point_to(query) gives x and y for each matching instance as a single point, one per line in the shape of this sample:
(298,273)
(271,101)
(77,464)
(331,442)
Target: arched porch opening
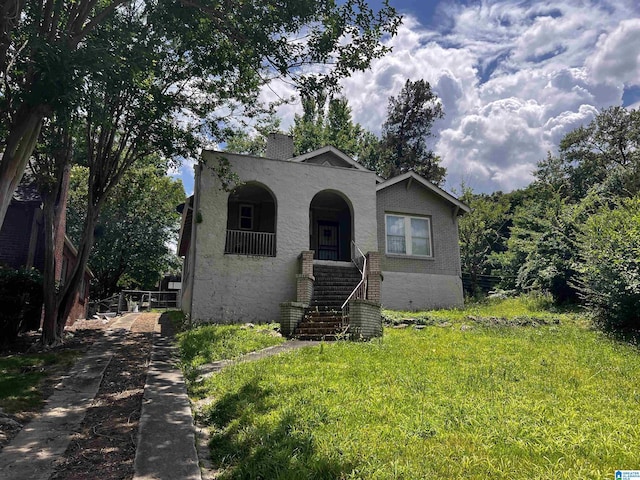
(251,221)
(330,226)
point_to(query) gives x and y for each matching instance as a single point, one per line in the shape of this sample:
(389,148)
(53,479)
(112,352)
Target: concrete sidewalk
(166,446)
(33,452)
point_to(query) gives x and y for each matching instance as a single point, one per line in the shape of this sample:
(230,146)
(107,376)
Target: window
(408,235)
(246,217)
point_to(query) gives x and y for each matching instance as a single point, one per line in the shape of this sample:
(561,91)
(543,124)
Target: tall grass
(557,401)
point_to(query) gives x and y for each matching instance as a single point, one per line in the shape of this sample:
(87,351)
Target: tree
(222,53)
(403,145)
(135,228)
(605,155)
(308,129)
(482,233)
(42,63)
(151,81)
(326,123)
(609,265)
(50,167)
(340,131)
(241,141)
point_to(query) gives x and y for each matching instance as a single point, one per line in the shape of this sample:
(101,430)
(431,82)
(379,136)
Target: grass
(534,306)
(21,377)
(209,343)
(555,401)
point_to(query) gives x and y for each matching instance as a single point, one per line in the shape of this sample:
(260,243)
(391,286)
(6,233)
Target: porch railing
(242,242)
(359,259)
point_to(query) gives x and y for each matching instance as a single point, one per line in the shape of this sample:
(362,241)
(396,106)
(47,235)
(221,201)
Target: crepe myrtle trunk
(50,335)
(54,205)
(54,325)
(20,142)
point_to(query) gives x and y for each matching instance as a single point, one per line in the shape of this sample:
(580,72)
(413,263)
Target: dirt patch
(106,442)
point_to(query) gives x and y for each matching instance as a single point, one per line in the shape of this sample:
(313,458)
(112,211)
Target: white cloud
(513,77)
(617,58)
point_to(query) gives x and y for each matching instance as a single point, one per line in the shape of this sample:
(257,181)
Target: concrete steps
(323,319)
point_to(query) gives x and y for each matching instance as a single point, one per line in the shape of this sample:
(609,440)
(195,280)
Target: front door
(328,243)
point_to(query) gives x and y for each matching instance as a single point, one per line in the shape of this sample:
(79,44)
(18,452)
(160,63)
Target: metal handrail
(361,289)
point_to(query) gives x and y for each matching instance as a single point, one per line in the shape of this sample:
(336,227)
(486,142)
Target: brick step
(335,306)
(337,273)
(318,331)
(323,313)
(320,324)
(330,298)
(326,315)
(334,288)
(334,268)
(341,285)
(320,337)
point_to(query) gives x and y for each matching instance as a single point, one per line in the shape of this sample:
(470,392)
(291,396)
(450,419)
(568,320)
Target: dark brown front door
(328,240)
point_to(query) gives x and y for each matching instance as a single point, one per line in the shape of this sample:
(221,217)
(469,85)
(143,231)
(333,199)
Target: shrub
(609,266)
(20,300)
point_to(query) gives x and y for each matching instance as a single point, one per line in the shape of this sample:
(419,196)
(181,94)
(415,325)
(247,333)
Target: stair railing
(360,292)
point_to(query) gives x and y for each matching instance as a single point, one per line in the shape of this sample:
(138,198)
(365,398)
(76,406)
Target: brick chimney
(279,146)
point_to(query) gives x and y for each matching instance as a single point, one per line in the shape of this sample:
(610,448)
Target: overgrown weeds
(497,400)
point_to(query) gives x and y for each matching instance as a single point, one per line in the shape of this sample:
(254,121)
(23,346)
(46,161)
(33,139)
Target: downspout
(194,231)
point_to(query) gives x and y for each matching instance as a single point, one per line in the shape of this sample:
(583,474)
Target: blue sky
(513,76)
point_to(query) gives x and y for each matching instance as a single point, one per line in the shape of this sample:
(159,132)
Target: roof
(27,191)
(330,149)
(413,176)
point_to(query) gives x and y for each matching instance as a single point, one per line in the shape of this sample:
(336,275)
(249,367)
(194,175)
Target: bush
(20,301)
(609,267)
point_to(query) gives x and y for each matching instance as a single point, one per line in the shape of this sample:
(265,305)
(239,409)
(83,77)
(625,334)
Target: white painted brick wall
(235,288)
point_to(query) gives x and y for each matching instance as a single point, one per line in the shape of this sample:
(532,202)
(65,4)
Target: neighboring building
(22,240)
(286,230)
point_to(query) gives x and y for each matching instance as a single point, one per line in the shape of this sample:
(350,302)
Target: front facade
(242,249)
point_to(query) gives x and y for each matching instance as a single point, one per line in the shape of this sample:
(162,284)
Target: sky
(513,76)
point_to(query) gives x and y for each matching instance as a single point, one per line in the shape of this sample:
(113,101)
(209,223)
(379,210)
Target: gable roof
(425,183)
(333,150)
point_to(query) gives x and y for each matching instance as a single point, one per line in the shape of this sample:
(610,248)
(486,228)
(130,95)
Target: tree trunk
(50,334)
(67,295)
(21,141)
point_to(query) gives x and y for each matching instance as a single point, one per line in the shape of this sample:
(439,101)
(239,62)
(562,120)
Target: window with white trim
(408,235)
(245,222)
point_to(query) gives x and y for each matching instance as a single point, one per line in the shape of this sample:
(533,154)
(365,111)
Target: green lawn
(546,402)
(208,343)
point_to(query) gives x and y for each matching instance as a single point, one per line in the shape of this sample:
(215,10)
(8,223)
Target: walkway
(166,447)
(212,368)
(33,452)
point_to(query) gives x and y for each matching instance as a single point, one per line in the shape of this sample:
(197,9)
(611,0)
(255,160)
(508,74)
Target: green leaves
(403,146)
(135,231)
(326,123)
(609,267)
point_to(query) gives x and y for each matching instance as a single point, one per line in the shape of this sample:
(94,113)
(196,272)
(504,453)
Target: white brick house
(242,249)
